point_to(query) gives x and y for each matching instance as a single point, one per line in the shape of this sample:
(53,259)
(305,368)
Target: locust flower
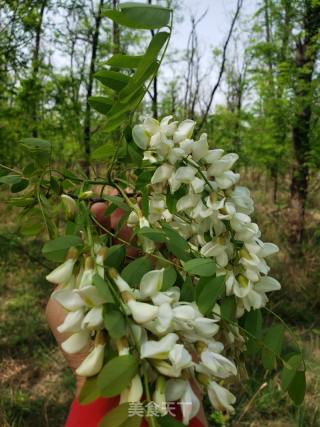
(63,273)
(140,136)
(158,349)
(72,322)
(159,395)
(93,363)
(181,390)
(93,320)
(151,283)
(216,364)
(184,130)
(76,342)
(221,398)
(132,393)
(142,312)
(162,174)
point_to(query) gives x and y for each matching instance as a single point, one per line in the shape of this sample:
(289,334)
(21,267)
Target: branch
(222,67)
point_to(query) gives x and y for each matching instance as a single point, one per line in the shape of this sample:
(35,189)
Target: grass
(36,387)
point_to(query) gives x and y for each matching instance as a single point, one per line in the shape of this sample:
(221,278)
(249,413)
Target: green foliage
(210,289)
(116,255)
(272,346)
(201,267)
(103,286)
(114,321)
(135,15)
(56,250)
(134,271)
(116,375)
(89,391)
(118,417)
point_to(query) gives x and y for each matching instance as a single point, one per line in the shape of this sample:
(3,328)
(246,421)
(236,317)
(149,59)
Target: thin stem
(148,396)
(10,169)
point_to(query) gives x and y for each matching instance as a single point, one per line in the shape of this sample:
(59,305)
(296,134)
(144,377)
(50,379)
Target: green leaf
(101,103)
(289,371)
(30,169)
(134,271)
(103,287)
(118,201)
(90,391)
(169,278)
(187,290)
(129,91)
(148,64)
(139,16)
(56,250)
(116,255)
(228,308)
(115,123)
(297,388)
(168,421)
(253,324)
(176,244)
(112,79)
(144,179)
(10,179)
(145,202)
(36,145)
(124,61)
(19,186)
(152,234)
(272,346)
(55,185)
(135,155)
(213,289)
(119,417)
(106,151)
(117,374)
(114,321)
(200,266)
(130,104)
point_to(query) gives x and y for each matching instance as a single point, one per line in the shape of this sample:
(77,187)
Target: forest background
(254,88)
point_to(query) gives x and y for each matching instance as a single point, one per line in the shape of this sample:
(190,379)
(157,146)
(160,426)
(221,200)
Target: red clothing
(90,415)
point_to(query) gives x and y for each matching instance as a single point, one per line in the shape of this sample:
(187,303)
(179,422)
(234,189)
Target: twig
(222,66)
(253,398)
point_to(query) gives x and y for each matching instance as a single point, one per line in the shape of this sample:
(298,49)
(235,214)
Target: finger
(98,210)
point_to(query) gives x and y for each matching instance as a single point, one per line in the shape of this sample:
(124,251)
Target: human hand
(56,314)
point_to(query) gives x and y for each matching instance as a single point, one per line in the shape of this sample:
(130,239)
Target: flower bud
(159,395)
(86,195)
(119,281)
(140,136)
(70,205)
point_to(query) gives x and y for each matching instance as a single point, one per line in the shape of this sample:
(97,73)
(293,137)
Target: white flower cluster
(84,305)
(176,341)
(172,335)
(212,213)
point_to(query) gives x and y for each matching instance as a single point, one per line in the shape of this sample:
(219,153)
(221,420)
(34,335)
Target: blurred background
(248,72)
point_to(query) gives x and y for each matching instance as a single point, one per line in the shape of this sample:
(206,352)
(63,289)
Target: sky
(214,26)
(212,32)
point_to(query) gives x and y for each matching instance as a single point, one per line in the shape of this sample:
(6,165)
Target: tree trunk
(305,58)
(35,71)
(87,116)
